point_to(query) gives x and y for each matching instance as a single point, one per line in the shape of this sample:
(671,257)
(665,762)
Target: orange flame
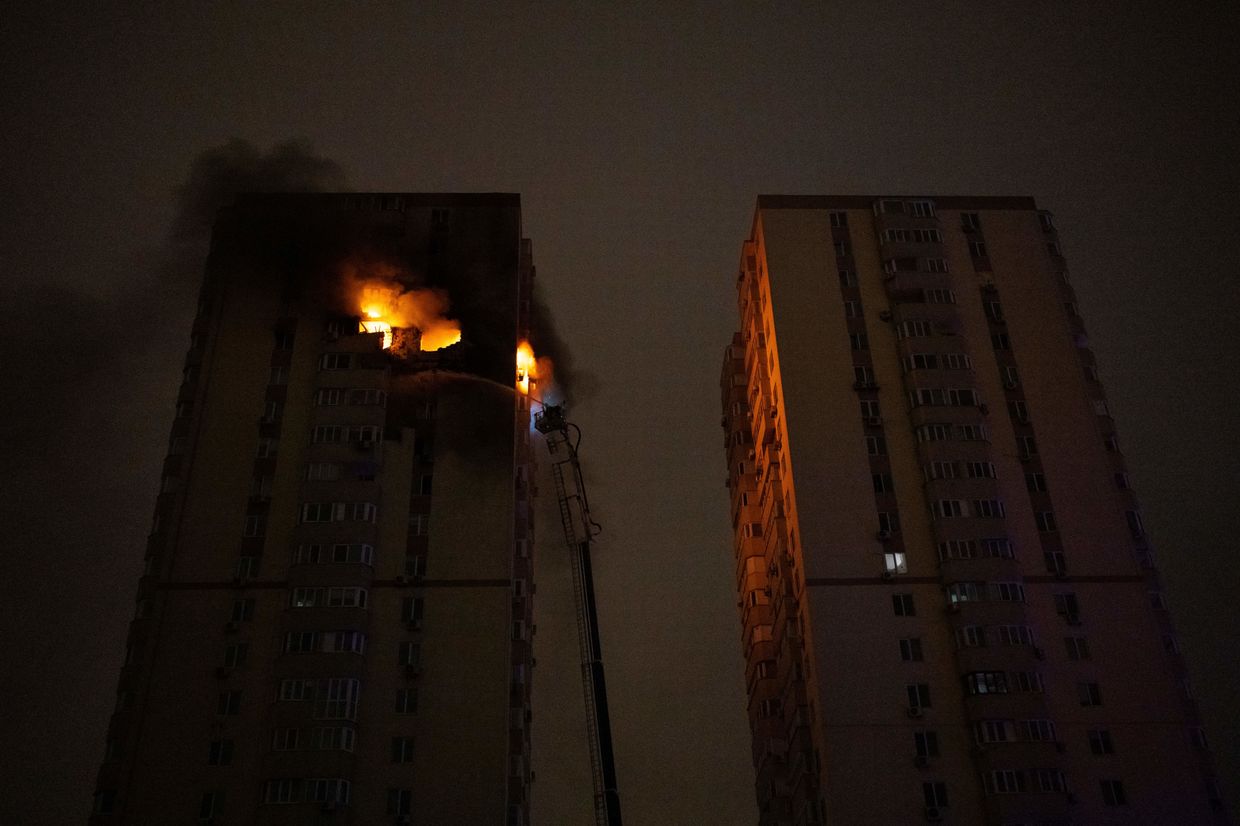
(527,367)
(385,304)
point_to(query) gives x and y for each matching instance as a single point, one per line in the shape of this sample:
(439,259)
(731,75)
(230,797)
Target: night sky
(638,138)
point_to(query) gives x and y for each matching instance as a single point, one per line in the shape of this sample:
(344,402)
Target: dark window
(902,604)
(1100,742)
(220,753)
(926,743)
(910,649)
(230,703)
(1113,793)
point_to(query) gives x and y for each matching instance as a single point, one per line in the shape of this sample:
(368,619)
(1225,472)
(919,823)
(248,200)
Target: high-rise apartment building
(950,606)
(333,622)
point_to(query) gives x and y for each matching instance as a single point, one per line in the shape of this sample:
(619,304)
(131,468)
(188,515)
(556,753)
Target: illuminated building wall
(334,621)
(949,603)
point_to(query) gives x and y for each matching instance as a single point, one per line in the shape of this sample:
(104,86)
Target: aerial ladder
(563,439)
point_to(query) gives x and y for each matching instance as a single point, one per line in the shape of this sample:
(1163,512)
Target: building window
(1038,731)
(1035,482)
(1100,742)
(977,249)
(1049,781)
(399,802)
(991,731)
(235,654)
(910,650)
(949,508)
(209,806)
(939,296)
(847,278)
(278,375)
(895,563)
(322,472)
(940,470)
(1000,341)
(220,753)
(407,701)
(858,341)
(1089,694)
(1045,521)
(335,361)
(876,445)
(410,654)
(988,508)
(985,682)
(105,802)
(1077,647)
(852,309)
(1009,592)
(980,470)
(229,703)
(926,743)
(296,690)
(914,329)
(1067,606)
(994,310)
(971,636)
(888,522)
(957,361)
(970,221)
(402,749)
(839,220)
(935,793)
(1004,781)
(972,433)
(282,790)
(842,248)
(1113,793)
(902,604)
(918,695)
(936,265)
(883,483)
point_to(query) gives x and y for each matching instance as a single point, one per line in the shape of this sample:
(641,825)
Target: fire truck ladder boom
(579,531)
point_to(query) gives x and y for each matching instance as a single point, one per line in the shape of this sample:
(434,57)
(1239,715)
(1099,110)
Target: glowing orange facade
(334,625)
(949,603)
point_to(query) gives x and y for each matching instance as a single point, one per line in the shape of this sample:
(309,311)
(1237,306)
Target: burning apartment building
(333,622)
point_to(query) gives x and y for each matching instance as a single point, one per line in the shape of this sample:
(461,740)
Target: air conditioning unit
(934,814)
(1026,457)
(914,711)
(1010,385)
(884,315)
(888,574)
(920,761)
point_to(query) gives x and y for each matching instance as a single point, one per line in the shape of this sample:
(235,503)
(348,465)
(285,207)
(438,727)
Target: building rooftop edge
(775,201)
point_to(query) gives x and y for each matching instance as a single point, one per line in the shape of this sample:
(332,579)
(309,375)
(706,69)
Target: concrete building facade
(949,603)
(333,624)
